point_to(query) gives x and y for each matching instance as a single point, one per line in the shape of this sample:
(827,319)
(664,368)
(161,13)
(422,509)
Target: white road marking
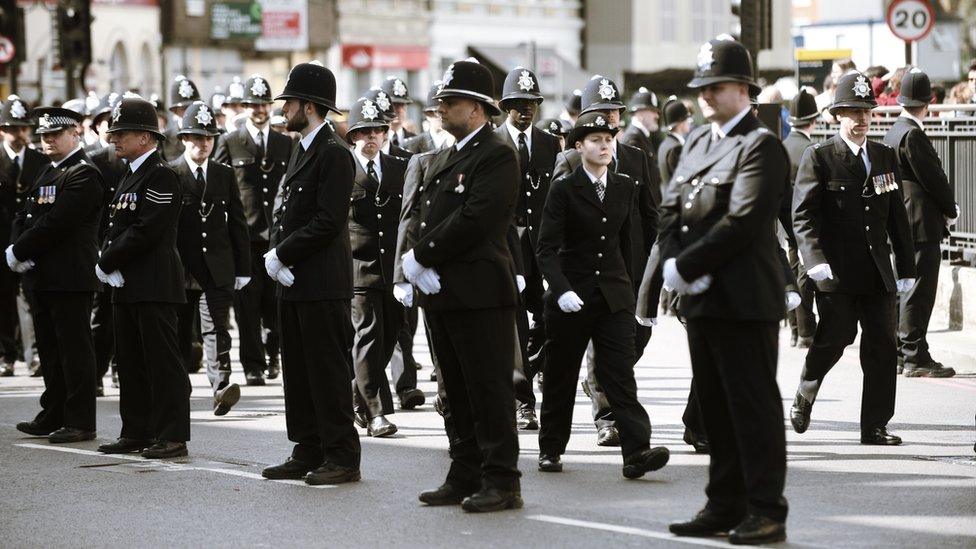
(169,465)
(627,530)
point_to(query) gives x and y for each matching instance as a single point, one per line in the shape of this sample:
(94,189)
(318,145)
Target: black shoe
(488,500)
(638,464)
(412,398)
(445,494)
(125,446)
(34,429)
(115,379)
(380,427)
(931,369)
(35,366)
(165,449)
(550,464)
(70,434)
(800,413)
(698,442)
(7,370)
(99,390)
(433,375)
(274,367)
(804,342)
(330,473)
(704,524)
(254,379)
(879,436)
(901,365)
(291,469)
(196,358)
(360,419)
(226,398)
(756,530)
(439,405)
(793,339)
(607,436)
(525,419)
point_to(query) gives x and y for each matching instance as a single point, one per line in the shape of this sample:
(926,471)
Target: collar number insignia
(525,81)
(186,90)
(606,90)
(861,87)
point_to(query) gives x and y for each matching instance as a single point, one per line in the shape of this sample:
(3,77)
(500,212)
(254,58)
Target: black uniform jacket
(667,158)
(585,243)
(141,237)
(214,247)
(413,183)
(14,186)
(929,196)
(172,148)
(60,232)
(310,232)
(257,179)
(841,221)
(633,136)
(535,179)
(374,217)
(718,218)
(463,213)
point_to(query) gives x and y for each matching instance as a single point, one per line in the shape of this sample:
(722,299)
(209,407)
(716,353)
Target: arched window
(118,67)
(147,63)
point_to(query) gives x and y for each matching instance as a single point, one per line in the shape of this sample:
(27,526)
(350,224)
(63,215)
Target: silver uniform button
(530,227)
(382,251)
(423,224)
(265,189)
(379,216)
(299,189)
(204,235)
(264,175)
(602,237)
(428,202)
(684,228)
(528,211)
(110,223)
(687,205)
(604,220)
(867,227)
(30,216)
(265,202)
(597,273)
(381,233)
(843,188)
(204,248)
(714,180)
(867,208)
(600,254)
(430,245)
(680,178)
(528,193)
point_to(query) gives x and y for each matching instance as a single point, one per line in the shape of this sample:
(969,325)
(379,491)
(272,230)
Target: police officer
(803,115)
(929,199)
(677,120)
(140,261)
(847,204)
(644,131)
(556,127)
(182,93)
(233,106)
(310,256)
(585,253)
(55,247)
(399,95)
(717,235)
(434,137)
(601,95)
(259,157)
(382,100)
(214,247)
(19,167)
(572,107)
(465,272)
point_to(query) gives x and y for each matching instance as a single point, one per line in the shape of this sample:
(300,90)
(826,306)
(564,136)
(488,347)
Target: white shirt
(15,156)
(363,161)
(514,132)
(718,132)
(134,165)
(460,144)
(193,166)
(307,140)
(855,148)
(637,124)
(594,179)
(254,131)
(907,115)
(67,156)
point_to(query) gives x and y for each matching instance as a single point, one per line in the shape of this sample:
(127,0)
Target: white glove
(115,279)
(520,283)
(411,267)
(101,274)
(285,276)
(429,281)
(12,260)
(792,300)
(271,263)
(569,302)
(241,281)
(24,266)
(699,286)
(403,292)
(646,322)
(674,282)
(820,272)
(904,284)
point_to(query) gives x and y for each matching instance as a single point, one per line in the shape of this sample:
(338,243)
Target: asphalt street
(841,494)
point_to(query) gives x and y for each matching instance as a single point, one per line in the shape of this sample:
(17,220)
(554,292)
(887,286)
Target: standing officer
(643,131)
(717,235)
(140,261)
(585,253)
(556,127)
(311,258)
(19,167)
(847,204)
(55,246)
(536,152)
(572,107)
(601,95)
(386,107)
(182,93)
(434,137)
(462,264)
(929,199)
(399,95)
(213,244)
(678,121)
(259,157)
(803,115)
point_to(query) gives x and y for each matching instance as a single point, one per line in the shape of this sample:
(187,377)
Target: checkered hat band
(60,121)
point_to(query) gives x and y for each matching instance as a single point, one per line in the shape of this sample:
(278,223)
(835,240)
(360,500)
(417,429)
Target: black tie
(371,172)
(396,140)
(260,143)
(301,153)
(613,164)
(15,172)
(200,180)
(523,150)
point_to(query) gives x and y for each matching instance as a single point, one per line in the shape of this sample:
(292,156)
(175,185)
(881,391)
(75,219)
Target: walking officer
(140,261)
(929,199)
(311,258)
(259,157)
(182,93)
(54,245)
(719,251)
(847,204)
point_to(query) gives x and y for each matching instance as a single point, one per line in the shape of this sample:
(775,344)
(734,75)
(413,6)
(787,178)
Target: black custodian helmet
(182,92)
(675,111)
(382,100)
(853,91)
(916,89)
(803,107)
(14,112)
(396,89)
(601,94)
(520,83)
(554,126)
(723,59)
(133,113)
(311,82)
(257,91)
(365,113)
(642,99)
(471,80)
(199,119)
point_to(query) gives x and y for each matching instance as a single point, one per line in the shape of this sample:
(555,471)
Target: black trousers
(734,364)
(599,404)
(102,333)
(402,359)
(916,305)
(523,374)
(9,283)
(692,417)
(255,307)
(188,325)
(315,340)
(476,366)
(840,315)
(64,342)
(535,305)
(377,318)
(803,322)
(612,334)
(154,388)
(214,307)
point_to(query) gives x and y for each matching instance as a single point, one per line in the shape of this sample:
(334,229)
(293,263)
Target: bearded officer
(847,204)
(55,247)
(182,93)
(718,249)
(399,96)
(932,209)
(462,264)
(140,261)
(259,157)
(311,258)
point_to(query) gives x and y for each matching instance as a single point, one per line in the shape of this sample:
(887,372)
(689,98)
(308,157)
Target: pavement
(841,494)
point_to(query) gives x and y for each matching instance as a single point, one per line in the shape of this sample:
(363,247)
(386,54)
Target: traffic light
(12,27)
(754,27)
(74,32)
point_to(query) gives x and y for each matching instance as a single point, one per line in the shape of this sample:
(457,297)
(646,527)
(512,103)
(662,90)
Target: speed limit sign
(910,20)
